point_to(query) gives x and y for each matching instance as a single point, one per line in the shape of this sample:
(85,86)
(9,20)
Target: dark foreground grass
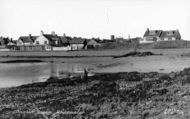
(117,96)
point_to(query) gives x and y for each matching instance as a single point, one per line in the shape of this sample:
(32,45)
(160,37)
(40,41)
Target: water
(15,74)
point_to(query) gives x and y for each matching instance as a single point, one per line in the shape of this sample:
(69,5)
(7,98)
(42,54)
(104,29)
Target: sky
(93,18)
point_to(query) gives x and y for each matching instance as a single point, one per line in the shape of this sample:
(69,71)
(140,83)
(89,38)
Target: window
(45,42)
(37,42)
(56,42)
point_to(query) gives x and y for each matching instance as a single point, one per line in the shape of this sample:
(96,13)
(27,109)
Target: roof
(152,33)
(51,37)
(171,33)
(93,42)
(77,41)
(27,39)
(65,39)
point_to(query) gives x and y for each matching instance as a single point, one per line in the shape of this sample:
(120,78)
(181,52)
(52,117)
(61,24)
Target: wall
(77,46)
(62,48)
(41,39)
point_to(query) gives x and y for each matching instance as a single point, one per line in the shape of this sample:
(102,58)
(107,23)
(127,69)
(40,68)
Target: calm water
(14,74)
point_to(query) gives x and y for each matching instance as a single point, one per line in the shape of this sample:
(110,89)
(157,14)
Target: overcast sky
(93,18)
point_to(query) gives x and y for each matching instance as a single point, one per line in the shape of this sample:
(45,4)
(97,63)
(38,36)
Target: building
(77,43)
(65,40)
(4,41)
(64,44)
(25,43)
(92,44)
(47,40)
(170,35)
(151,36)
(3,44)
(26,40)
(112,37)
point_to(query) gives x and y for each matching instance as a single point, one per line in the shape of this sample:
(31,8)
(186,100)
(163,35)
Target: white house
(45,40)
(52,42)
(151,36)
(170,35)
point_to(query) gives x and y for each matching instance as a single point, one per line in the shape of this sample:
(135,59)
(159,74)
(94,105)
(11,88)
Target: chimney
(41,32)
(64,35)
(30,35)
(147,29)
(53,33)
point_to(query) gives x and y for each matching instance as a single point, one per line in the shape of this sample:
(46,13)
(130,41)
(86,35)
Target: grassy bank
(117,95)
(86,53)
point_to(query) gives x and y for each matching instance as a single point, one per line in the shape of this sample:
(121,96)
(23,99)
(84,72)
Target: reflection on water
(66,70)
(14,74)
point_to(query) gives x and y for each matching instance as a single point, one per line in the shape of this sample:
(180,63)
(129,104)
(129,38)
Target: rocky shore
(123,95)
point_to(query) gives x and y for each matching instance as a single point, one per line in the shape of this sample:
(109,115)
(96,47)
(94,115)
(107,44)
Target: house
(92,44)
(25,43)
(170,35)
(33,43)
(65,40)
(26,40)
(12,45)
(151,36)
(4,41)
(63,44)
(160,35)
(47,40)
(77,43)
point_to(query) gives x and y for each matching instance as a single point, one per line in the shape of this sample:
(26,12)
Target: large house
(47,40)
(160,35)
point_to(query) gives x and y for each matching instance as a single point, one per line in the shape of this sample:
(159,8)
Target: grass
(130,95)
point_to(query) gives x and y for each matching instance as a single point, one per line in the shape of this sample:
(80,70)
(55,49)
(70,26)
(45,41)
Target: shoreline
(89,53)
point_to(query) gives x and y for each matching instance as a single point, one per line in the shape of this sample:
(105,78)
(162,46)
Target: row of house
(160,35)
(52,42)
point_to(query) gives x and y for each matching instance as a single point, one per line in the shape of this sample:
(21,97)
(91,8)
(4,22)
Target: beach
(132,87)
